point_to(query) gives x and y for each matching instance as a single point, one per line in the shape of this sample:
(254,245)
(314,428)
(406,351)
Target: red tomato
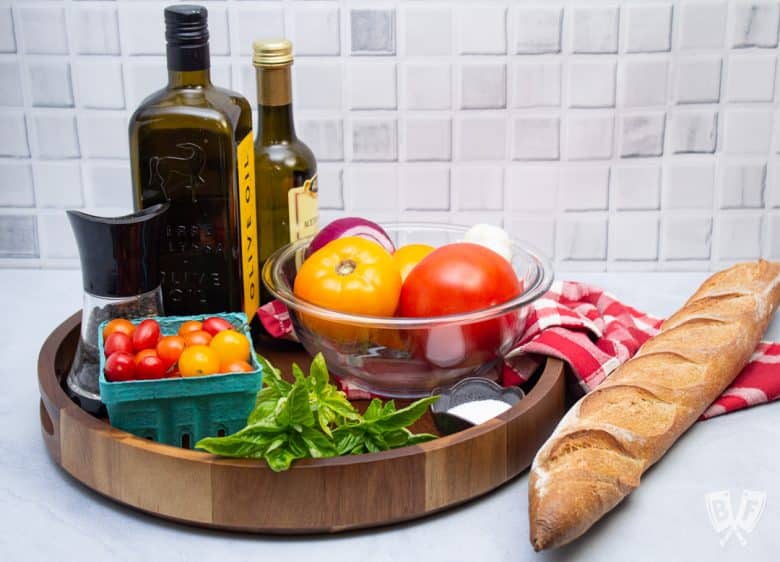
(120,367)
(458,278)
(150,367)
(146,335)
(215,324)
(117,341)
(141,355)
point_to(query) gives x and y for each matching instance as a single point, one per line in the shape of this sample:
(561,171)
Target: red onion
(351,226)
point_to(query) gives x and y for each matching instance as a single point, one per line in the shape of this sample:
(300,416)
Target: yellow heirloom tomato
(351,275)
(407,257)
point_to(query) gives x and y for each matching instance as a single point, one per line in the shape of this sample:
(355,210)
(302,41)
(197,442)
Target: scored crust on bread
(602,446)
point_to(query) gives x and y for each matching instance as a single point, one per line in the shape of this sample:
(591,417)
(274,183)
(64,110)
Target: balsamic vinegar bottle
(191,145)
(285,168)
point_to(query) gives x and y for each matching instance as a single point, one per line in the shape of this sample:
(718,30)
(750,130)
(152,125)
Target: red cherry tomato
(144,353)
(215,324)
(169,349)
(459,278)
(117,341)
(120,367)
(146,335)
(150,367)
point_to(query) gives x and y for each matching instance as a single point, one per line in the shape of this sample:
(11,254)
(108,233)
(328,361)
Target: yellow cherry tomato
(351,275)
(230,345)
(406,257)
(198,360)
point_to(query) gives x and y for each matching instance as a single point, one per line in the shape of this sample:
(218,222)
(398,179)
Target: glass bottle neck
(274,99)
(189,78)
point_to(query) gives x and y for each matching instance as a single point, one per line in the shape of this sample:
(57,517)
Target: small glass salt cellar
(121,278)
(471,401)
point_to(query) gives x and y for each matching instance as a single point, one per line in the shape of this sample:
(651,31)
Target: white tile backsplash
(748,131)
(589,136)
(636,187)
(532,188)
(58,184)
(595,29)
(754,24)
(612,134)
(50,83)
(478,188)
(592,83)
(535,84)
(427,30)
(585,188)
(13,140)
(644,82)
(316,29)
(425,188)
(688,186)
(427,138)
(702,25)
(536,138)
(16,184)
(95,30)
(751,78)
(648,28)
(483,86)
(10,84)
(697,79)
(482,29)
(694,131)
(43,29)
(537,29)
(7,31)
(371,85)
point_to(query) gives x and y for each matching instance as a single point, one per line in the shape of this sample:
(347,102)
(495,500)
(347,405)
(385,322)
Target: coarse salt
(479,411)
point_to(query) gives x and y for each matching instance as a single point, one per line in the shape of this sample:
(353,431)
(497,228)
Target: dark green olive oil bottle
(285,168)
(191,145)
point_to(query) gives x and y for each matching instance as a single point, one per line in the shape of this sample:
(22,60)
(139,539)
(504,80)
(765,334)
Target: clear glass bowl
(409,357)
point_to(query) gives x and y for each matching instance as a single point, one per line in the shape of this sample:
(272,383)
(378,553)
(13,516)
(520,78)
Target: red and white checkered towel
(595,333)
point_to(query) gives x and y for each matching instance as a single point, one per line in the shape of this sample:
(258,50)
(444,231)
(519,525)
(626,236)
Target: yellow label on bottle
(247,213)
(304,209)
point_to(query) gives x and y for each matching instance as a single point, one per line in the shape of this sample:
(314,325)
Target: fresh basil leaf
(296,409)
(388,408)
(416,438)
(280,459)
(298,373)
(318,444)
(406,416)
(297,445)
(337,403)
(319,373)
(373,411)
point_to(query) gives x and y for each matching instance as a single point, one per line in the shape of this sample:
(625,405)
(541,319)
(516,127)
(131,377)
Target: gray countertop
(46,515)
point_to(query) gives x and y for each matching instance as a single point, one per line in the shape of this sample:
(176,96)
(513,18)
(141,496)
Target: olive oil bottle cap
(272,52)
(186,25)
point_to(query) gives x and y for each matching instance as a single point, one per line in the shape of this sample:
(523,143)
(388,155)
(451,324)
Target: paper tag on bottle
(304,209)
(250,268)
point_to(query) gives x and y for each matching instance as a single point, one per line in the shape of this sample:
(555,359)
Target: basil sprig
(311,418)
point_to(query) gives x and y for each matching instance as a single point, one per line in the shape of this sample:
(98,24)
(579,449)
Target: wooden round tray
(314,496)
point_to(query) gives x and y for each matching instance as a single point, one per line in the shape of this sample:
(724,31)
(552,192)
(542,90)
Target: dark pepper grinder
(121,276)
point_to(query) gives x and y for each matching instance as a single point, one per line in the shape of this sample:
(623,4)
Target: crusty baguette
(607,440)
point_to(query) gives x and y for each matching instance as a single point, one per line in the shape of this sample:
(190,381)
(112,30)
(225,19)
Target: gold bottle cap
(272,52)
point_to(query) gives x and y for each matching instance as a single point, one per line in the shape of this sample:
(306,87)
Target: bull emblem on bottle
(185,171)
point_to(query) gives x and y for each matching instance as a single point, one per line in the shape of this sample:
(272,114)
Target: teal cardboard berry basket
(181,411)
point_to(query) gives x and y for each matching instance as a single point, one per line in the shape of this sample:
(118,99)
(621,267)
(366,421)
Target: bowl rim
(272,279)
